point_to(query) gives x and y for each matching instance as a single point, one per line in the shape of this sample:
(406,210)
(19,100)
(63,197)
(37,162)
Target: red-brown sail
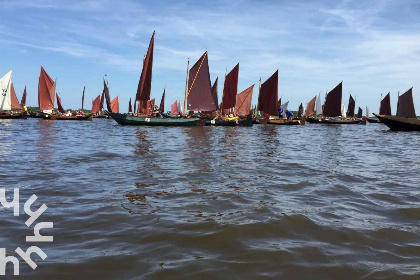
(14,100)
(385,108)
(230,88)
(405,107)
(83,97)
(199,94)
(174,108)
(96,103)
(115,105)
(352,106)
(130,108)
(162,103)
(101,105)
(310,108)
(60,107)
(46,91)
(332,106)
(269,95)
(150,106)
(108,98)
(243,102)
(214,93)
(145,83)
(23,100)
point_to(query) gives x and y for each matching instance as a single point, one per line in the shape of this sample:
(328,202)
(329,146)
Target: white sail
(343,111)
(284,106)
(5,97)
(367,112)
(318,110)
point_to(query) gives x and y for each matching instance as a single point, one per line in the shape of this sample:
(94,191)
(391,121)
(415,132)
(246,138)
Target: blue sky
(372,46)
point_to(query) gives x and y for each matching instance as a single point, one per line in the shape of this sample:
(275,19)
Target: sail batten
(405,107)
(268,97)
(332,107)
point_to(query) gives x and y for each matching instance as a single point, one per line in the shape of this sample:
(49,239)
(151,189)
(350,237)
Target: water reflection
(46,139)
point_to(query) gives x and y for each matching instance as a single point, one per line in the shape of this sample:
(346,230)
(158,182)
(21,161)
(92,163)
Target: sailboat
(8,99)
(143,115)
(406,119)
(63,116)
(384,109)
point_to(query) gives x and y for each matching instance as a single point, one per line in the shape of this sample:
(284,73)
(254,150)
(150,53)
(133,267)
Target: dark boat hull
(100,116)
(22,116)
(399,123)
(133,120)
(373,120)
(223,122)
(284,122)
(333,121)
(68,118)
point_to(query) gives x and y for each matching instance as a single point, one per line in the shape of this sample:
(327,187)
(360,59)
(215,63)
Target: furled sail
(318,105)
(46,91)
(360,113)
(96,104)
(332,107)
(145,83)
(352,106)
(130,107)
(14,99)
(59,106)
(269,95)
(83,96)
(174,108)
(310,108)
(5,87)
(243,102)
(385,108)
(162,102)
(115,105)
(199,95)
(107,98)
(23,100)
(405,107)
(230,88)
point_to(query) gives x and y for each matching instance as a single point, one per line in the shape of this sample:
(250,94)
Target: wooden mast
(186,86)
(258,101)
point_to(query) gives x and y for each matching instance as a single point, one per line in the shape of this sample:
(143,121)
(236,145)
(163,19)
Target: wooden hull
(68,118)
(223,122)
(284,122)
(399,123)
(100,116)
(13,116)
(333,121)
(373,120)
(256,120)
(133,120)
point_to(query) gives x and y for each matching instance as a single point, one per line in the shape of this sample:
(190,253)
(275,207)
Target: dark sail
(332,107)
(230,88)
(23,100)
(60,107)
(352,106)
(145,83)
(310,108)
(243,102)
(360,113)
(199,95)
(46,91)
(162,103)
(115,105)
(107,98)
(96,105)
(14,100)
(300,111)
(268,98)
(83,97)
(150,106)
(405,107)
(385,108)
(214,92)
(130,108)
(135,103)
(101,105)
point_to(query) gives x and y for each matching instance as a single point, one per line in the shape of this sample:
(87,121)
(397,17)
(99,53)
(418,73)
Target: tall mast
(186,86)
(258,101)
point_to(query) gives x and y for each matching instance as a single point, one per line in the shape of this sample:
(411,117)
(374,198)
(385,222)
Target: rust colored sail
(174,108)
(162,102)
(332,106)
(268,98)
(243,102)
(405,107)
(352,106)
(46,91)
(310,108)
(115,105)
(145,82)
(130,107)
(214,93)
(60,107)
(83,97)
(230,88)
(23,100)
(101,105)
(150,106)
(14,100)
(108,98)
(199,94)
(385,108)
(96,103)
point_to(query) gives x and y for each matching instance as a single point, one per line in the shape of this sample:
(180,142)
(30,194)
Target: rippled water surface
(267,202)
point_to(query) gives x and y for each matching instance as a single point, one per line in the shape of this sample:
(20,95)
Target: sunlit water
(267,202)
